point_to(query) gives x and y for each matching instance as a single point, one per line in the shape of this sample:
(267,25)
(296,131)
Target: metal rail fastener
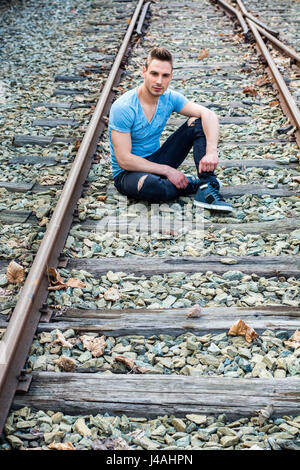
(20,331)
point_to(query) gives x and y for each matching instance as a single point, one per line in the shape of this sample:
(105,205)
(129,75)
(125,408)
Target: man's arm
(210,124)
(121,142)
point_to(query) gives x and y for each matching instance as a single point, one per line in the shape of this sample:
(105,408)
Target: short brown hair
(159,53)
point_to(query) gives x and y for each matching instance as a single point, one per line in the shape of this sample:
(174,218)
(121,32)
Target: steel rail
(235,12)
(287,50)
(19,334)
(287,101)
(142,18)
(248,15)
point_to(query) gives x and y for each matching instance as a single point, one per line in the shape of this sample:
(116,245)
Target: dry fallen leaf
(111,294)
(95,345)
(61,446)
(203,54)
(273,103)
(15,272)
(250,90)
(241,328)
(57,281)
(194,311)
(261,81)
(102,198)
(296,179)
(294,341)
(62,340)
(265,413)
(73,282)
(130,363)
(66,363)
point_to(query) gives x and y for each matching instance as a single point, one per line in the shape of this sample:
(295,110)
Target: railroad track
(125,318)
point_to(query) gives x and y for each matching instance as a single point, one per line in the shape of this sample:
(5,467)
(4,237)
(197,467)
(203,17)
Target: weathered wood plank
(55,122)
(255,163)
(113,224)
(241,189)
(262,266)
(153,395)
(33,160)
(62,105)
(67,92)
(256,190)
(42,141)
(19,187)
(14,217)
(70,78)
(173,322)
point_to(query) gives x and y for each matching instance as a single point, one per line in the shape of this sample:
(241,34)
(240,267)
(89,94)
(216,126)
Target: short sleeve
(121,118)
(178,101)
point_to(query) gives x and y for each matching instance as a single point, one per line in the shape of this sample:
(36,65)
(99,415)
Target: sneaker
(208,197)
(192,186)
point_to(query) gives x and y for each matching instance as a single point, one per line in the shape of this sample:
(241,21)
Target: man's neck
(146,97)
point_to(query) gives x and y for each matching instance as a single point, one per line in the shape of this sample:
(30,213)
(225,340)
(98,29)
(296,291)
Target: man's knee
(141,182)
(191,121)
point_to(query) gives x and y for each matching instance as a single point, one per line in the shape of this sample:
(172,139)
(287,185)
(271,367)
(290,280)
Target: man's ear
(144,70)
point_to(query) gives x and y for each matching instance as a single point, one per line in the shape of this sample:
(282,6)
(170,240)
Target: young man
(144,170)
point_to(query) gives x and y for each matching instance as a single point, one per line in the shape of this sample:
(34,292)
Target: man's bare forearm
(135,163)
(210,124)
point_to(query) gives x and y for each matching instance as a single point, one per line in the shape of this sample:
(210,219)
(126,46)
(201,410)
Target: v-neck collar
(154,115)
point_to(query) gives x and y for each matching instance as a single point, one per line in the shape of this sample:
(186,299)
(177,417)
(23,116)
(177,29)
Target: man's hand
(209,162)
(176,177)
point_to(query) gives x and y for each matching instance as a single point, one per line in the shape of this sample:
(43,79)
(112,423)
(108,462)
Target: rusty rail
(266,32)
(287,102)
(18,337)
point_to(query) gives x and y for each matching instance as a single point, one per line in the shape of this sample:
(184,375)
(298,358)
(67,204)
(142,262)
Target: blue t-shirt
(127,115)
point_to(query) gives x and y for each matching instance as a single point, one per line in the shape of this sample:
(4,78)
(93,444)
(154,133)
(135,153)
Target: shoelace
(215,191)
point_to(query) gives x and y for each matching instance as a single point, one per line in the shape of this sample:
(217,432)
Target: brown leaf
(131,364)
(61,446)
(110,444)
(203,54)
(62,340)
(296,179)
(264,414)
(43,222)
(241,328)
(250,90)
(294,341)
(15,272)
(194,311)
(102,198)
(261,81)
(273,103)
(111,294)
(73,282)
(55,277)
(66,363)
(95,345)
(77,144)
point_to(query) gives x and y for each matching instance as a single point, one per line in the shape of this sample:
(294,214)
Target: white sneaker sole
(213,207)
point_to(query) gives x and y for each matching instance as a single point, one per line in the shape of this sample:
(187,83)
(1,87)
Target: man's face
(157,77)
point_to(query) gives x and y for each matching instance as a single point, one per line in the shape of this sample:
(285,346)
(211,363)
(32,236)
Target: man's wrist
(165,170)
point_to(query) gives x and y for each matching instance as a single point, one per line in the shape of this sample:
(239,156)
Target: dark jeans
(175,149)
